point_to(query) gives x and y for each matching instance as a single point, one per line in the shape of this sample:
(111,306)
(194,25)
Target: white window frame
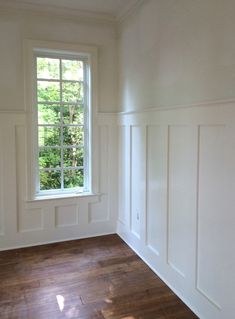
(86,126)
(33,48)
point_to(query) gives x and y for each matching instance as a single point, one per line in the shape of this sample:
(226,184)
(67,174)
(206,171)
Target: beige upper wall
(15,27)
(177,52)
(171,52)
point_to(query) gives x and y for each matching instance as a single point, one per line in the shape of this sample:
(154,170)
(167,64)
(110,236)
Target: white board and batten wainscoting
(27,222)
(166,177)
(176,200)
(176,182)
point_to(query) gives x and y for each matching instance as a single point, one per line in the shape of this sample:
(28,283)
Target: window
(63,122)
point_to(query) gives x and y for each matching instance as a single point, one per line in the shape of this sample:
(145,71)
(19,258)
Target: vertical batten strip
(146,185)
(130,178)
(1,188)
(167,193)
(197,204)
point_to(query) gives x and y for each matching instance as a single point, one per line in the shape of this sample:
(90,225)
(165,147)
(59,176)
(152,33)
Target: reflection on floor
(96,278)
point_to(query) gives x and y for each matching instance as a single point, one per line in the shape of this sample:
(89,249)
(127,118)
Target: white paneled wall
(176,184)
(26,222)
(1,187)
(176,200)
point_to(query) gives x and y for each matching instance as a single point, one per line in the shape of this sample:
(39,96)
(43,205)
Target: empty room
(117,159)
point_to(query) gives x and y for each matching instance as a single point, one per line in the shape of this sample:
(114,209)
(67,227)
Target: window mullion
(86,127)
(57,80)
(61,130)
(59,103)
(49,169)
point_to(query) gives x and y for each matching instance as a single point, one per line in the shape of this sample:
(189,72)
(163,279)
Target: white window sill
(60,196)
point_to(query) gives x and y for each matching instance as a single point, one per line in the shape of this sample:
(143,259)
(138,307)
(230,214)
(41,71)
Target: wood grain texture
(96,278)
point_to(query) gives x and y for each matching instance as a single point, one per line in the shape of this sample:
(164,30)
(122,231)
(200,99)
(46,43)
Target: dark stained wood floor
(96,278)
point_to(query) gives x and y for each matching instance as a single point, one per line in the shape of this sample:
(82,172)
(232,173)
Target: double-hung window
(62,120)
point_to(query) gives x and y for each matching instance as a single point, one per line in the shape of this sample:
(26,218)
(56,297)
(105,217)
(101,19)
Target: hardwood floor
(96,278)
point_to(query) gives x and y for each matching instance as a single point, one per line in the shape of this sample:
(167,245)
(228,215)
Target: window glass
(62,147)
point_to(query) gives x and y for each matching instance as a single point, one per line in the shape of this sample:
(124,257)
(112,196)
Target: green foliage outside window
(60,95)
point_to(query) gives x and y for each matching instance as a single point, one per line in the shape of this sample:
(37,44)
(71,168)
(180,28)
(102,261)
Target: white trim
(30,47)
(212,103)
(67,12)
(58,11)
(112,115)
(62,196)
(128,10)
(40,243)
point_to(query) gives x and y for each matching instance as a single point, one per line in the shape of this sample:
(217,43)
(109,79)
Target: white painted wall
(177,164)
(184,51)
(176,208)
(24,222)
(15,27)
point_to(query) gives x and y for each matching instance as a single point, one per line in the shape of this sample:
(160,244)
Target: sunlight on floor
(60,301)
(68,311)
(73,312)
(108,300)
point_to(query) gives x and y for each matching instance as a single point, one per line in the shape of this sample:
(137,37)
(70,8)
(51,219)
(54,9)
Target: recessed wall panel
(138,178)
(66,215)
(31,220)
(103,158)
(182,164)
(28,220)
(211,210)
(124,174)
(156,187)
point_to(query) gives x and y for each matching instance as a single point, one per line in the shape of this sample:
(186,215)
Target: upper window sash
(87,53)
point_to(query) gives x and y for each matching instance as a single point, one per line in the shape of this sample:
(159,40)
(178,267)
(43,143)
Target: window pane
(73,178)
(48,91)
(72,70)
(49,158)
(50,180)
(73,114)
(48,114)
(48,68)
(72,92)
(60,97)
(73,157)
(73,135)
(48,136)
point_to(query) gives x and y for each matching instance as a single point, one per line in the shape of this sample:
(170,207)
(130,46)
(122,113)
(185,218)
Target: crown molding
(81,15)
(128,10)
(66,12)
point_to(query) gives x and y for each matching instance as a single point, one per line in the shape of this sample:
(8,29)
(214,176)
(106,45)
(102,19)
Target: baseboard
(58,241)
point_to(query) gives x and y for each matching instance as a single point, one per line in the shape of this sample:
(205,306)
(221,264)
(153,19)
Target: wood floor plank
(95,278)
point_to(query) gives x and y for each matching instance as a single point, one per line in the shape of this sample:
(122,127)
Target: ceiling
(113,8)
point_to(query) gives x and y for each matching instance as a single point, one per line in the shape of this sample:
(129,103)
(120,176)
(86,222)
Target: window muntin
(62,123)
